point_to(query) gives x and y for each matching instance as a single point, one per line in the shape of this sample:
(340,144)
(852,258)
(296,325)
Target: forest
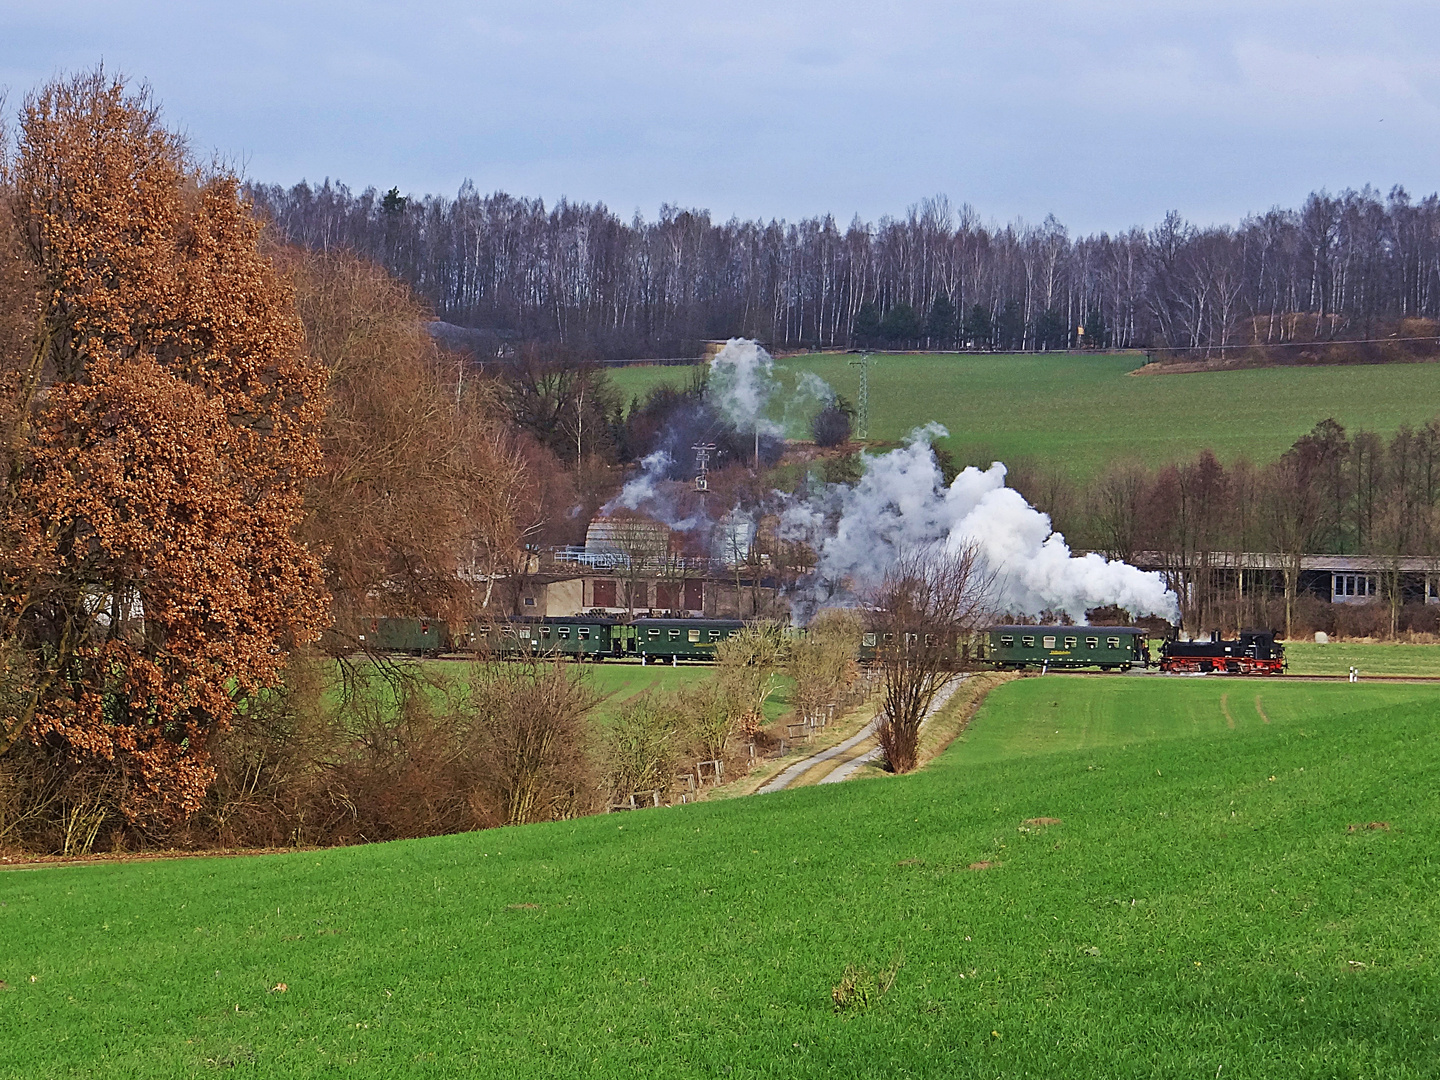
(1356,266)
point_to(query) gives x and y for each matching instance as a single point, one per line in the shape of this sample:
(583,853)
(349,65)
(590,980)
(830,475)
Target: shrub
(1362,620)
(642,746)
(831,426)
(710,716)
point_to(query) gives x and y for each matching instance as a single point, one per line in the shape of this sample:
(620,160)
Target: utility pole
(862,420)
(702,471)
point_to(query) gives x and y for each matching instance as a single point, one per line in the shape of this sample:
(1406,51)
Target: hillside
(1203,906)
(1080,413)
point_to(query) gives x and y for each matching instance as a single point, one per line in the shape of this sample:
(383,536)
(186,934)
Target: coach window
(565,632)
(1028,641)
(525,631)
(675,633)
(545,632)
(1049,643)
(1007,641)
(654,632)
(1092,642)
(714,635)
(1113,642)
(1071,642)
(583,633)
(694,637)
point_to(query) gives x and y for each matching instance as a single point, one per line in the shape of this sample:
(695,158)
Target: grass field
(615,683)
(619,683)
(1082,412)
(1307,658)
(1202,909)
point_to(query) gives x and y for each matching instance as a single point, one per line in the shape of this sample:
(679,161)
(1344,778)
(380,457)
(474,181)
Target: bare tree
(929,601)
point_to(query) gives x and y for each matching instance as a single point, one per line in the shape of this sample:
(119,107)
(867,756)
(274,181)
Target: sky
(1105,113)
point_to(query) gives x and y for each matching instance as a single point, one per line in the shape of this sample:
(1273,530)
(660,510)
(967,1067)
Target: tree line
(1358,265)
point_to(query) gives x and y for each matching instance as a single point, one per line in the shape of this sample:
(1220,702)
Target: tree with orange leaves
(160,425)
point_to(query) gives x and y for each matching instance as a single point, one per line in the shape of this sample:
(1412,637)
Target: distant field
(1083,412)
(1205,901)
(1081,713)
(1307,658)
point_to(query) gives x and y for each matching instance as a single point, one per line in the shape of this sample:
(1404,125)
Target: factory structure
(634,565)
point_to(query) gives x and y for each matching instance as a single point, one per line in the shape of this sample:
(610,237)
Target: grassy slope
(1203,907)
(1084,412)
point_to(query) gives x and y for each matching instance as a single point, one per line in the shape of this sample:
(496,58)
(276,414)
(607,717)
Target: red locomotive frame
(1221,665)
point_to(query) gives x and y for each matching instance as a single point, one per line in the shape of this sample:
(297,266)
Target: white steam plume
(742,380)
(901,503)
(811,394)
(644,485)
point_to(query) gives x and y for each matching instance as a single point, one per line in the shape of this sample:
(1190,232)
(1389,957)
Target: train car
(586,637)
(681,639)
(416,637)
(1254,652)
(869,647)
(1054,648)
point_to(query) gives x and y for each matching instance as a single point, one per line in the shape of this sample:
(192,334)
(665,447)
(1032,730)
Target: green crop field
(1210,903)
(1082,412)
(1307,658)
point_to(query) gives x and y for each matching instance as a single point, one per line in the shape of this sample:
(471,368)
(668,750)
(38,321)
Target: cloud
(1106,113)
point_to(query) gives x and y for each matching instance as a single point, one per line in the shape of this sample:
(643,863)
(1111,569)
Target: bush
(1420,618)
(831,426)
(642,746)
(1362,620)
(710,716)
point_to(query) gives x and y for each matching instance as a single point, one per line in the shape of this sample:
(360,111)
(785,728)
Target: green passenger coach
(681,639)
(1063,647)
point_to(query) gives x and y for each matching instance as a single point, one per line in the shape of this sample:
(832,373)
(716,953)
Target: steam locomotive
(1254,652)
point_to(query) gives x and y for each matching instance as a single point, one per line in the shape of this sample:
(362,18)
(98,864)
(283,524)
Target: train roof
(1066,629)
(537,620)
(656,619)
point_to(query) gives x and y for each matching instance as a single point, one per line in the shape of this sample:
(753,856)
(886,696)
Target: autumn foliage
(161,425)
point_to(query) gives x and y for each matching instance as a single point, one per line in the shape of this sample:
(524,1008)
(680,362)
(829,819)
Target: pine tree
(940,323)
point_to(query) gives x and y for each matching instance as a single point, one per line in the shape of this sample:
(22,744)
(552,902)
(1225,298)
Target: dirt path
(843,761)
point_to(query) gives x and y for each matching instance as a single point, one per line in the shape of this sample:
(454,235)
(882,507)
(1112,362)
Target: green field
(619,683)
(614,683)
(1083,412)
(1307,658)
(1203,909)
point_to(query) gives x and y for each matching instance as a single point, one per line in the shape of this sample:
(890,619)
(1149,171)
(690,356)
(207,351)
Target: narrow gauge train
(1254,652)
(590,637)
(598,637)
(1016,648)
(1053,648)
